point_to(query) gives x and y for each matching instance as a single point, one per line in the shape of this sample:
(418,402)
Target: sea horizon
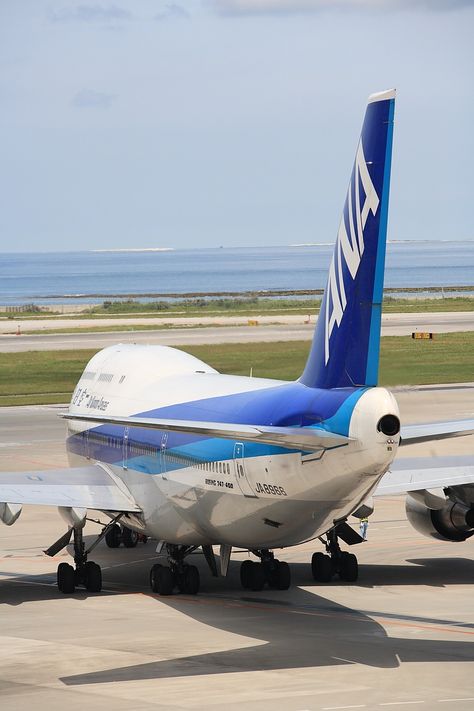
(88,276)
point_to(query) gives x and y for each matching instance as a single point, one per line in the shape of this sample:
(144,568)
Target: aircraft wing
(412,434)
(413,474)
(306,438)
(83,487)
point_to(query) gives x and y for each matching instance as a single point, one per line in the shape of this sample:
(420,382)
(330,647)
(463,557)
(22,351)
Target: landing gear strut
(84,573)
(180,575)
(325,567)
(276,573)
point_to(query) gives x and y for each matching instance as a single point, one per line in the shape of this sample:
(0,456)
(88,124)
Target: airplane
(168,448)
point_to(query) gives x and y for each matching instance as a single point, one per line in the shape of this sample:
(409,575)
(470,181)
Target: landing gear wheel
(280,576)
(191,580)
(154,577)
(245,573)
(256,577)
(321,567)
(348,567)
(165,581)
(129,538)
(92,577)
(113,537)
(66,578)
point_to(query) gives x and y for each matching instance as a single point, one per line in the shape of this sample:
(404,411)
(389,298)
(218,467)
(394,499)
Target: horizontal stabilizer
(412,434)
(82,487)
(305,438)
(415,473)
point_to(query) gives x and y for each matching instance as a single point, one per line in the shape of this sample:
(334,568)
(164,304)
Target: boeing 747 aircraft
(166,446)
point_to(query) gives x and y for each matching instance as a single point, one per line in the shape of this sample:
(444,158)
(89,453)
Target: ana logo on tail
(349,248)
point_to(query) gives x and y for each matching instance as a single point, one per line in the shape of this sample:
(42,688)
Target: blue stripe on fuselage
(288,405)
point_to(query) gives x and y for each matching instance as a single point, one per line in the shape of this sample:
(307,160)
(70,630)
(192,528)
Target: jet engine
(449,521)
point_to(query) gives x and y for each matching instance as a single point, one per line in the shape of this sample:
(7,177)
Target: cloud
(89,99)
(91,14)
(286,7)
(172,11)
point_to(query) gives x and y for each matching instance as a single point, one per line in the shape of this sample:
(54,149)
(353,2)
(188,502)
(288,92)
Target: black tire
(165,581)
(129,538)
(154,577)
(66,577)
(191,580)
(113,537)
(257,577)
(321,567)
(278,575)
(283,576)
(348,567)
(92,577)
(245,574)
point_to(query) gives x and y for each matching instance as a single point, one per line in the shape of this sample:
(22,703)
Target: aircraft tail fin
(346,343)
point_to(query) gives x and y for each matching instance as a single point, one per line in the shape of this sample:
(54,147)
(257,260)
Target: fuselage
(199,490)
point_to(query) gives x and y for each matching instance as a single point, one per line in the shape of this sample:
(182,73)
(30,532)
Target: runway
(403,636)
(288,330)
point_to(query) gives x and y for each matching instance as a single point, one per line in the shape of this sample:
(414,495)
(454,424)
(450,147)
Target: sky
(203,123)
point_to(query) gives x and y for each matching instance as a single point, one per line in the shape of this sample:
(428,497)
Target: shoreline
(407,291)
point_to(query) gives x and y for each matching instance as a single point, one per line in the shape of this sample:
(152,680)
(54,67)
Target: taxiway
(403,636)
(208,331)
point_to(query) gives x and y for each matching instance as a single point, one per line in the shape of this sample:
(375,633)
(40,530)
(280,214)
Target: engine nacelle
(74,516)
(9,513)
(453,522)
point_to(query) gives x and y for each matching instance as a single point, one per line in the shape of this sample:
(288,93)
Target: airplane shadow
(298,628)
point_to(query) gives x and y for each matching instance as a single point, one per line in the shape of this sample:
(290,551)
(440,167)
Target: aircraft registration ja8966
(167,447)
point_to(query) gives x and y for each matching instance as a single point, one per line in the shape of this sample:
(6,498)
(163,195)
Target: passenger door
(125,448)
(240,473)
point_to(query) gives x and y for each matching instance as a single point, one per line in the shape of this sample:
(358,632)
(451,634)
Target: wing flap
(413,474)
(84,487)
(307,438)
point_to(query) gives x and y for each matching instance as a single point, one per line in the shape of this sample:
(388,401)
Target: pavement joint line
(129,562)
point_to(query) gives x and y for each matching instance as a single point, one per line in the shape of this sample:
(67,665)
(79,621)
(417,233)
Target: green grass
(233,307)
(42,377)
(451,303)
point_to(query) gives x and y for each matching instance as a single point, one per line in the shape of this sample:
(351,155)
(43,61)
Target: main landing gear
(275,573)
(179,575)
(325,567)
(84,573)
(120,534)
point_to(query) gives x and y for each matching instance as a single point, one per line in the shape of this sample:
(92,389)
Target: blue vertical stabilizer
(346,343)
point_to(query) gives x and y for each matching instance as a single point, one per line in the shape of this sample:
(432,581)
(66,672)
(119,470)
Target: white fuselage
(202,492)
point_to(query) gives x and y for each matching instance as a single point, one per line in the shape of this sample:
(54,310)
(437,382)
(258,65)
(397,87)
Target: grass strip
(237,307)
(45,377)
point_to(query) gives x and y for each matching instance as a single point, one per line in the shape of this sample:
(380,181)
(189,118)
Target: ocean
(88,277)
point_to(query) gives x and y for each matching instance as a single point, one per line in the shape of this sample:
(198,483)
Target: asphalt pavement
(193,334)
(401,637)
